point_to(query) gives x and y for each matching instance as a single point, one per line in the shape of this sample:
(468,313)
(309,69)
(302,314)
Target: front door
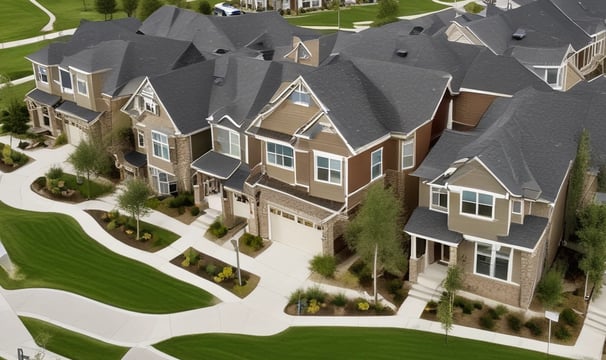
(441,253)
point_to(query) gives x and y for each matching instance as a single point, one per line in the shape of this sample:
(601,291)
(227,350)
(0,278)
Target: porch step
(422,292)
(209,216)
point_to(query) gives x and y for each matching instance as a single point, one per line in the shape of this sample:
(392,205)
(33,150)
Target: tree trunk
(88,185)
(375,274)
(137,217)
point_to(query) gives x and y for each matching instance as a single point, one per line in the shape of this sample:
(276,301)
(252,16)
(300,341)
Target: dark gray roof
(443,154)
(525,235)
(587,14)
(185,94)
(545,26)
(530,56)
(136,159)
(431,224)
(368,99)
(217,165)
(238,178)
(71,108)
(42,97)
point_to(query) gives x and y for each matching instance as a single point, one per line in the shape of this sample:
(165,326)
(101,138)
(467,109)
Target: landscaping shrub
(204,7)
(473,8)
(22,145)
(55,172)
(497,312)
(252,241)
(468,307)
(295,296)
(315,292)
(217,228)
(313,306)
(569,317)
(152,203)
(431,306)
(227,273)
(514,322)
(487,322)
(112,225)
(325,265)
(361,270)
(183,199)
(561,332)
(339,300)
(40,182)
(181,210)
(534,326)
(478,305)
(363,305)
(394,286)
(194,211)
(191,257)
(211,269)
(61,139)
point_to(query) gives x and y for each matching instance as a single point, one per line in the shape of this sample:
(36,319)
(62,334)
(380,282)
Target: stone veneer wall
(501,291)
(182,162)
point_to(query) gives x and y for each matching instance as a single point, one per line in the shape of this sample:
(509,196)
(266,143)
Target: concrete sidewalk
(282,270)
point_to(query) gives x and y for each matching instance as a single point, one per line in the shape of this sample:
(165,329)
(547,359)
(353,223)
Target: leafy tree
(15,117)
(575,184)
(129,7)
(388,12)
(147,7)
(106,7)
(451,284)
(204,7)
(91,159)
(375,233)
(549,290)
(133,199)
(592,237)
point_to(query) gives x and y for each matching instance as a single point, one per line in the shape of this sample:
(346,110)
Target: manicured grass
(353,14)
(70,12)
(13,62)
(96,189)
(18,91)
(71,344)
(51,250)
(339,343)
(20,19)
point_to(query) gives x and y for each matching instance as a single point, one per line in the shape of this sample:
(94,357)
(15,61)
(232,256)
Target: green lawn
(20,19)
(51,250)
(361,13)
(339,343)
(18,91)
(69,12)
(71,344)
(13,62)
(96,189)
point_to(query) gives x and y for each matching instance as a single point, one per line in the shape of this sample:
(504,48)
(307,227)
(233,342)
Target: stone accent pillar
(528,272)
(413,267)
(453,256)
(228,209)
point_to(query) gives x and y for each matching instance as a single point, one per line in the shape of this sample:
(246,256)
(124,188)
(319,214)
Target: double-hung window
(493,260)
(42,74)
(280,155)
(140,138)
(408,154)
(160,145)
(300,96)
(328,169)
(478,204)
(81,85)
(376,164)
(516,207)
(439,198)
(227,142)
(150,105)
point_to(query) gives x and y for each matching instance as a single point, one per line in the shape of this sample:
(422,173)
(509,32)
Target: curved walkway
(51,20)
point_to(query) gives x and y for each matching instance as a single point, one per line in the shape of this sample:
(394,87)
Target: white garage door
(75,135)
(296,231)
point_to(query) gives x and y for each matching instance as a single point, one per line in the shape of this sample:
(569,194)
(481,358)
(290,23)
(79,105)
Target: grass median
(51,250)
(339,343)
(20,19)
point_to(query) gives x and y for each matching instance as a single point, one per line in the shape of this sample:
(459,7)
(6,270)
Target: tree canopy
(91,159)
(129,7)
(388,12)
(592,237)
(576,184)
(133,200)
(147,7)
(106,7)
(15,117)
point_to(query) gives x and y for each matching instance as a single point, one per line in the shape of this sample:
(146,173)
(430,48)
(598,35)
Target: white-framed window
(140,138)
(81,85)
(376,163)
(328,169)
(477,204)
(227,142)
(280,155)
(43,74)
(439,199)
(150,105)
(160,145)
(408,153)
(493,261)
(163,183)
(516,207)
(551,76)
(303,54)
(66,81)
(300,96)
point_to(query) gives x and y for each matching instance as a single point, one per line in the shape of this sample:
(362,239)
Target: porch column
(413,267)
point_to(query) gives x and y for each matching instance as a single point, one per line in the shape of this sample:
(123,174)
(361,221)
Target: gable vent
(416,30)
(519,34)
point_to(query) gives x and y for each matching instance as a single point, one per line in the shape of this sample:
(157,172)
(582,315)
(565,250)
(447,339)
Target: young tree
(592,237)
(91,159)
(129,7)
(147,7)
(106,7)
(549,290)
(375,233)
(575,184)
(451,284)
(388,12)
(132,200)
(14,118)
(204,7)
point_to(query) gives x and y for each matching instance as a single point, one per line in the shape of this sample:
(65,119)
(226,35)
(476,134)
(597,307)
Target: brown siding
(304,168)
(469,107)
(200,143)
(282,174)
(326,142)
(476,226)
(422,144)
(358,167)
(289,117)
(254,151)
(424,194)
(440,120)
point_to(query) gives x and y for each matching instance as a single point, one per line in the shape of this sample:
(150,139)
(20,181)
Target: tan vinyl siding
(289,117)
(304,168)
(473,175)
(469,108)
(327,191)
(516,267)
(254,151)
(465,256)
(475,225)
(424,194)
(571,77)
(540,209)
(162,124)
(327,142)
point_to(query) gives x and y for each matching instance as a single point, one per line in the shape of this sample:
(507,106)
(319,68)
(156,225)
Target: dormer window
(150,105)
(42,74)
(300,97)
(303,53)
(227,142)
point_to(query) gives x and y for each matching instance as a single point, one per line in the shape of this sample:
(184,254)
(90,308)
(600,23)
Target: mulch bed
(75,198)
(10,168)
(350,309)
(119,234)
(249,280)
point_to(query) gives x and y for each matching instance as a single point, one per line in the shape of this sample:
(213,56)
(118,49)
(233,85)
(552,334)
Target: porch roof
(432,225)
(216,165)
(136,159)
(525,235)
(236,181)
(71,108)
(42,97)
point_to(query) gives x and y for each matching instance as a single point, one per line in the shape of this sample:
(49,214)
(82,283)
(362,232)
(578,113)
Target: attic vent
(402,52)
(519,34)
(416,30)
(221,51)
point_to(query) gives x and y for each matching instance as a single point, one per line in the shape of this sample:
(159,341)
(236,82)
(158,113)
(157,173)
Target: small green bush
(55,172)
(478,305)
(183,199)
(339,300)
(315,292)
(295,296)
(112,225)
(191,257)
(61,139)
(561,332)
(194,211)
(569,317)
(211,269)
(152,203)
(361,270)
(181,210)
(468,308)
(252,241)
(501,310)
(487,322)
(394,286)
(204,7)
(41,181)
(514,322)
(534,326)
(473,8)
(325,265)
(217,228)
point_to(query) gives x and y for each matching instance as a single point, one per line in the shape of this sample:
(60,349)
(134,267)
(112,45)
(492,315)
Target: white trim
(230,133)
(477,202)
(475,91)
(455,245)
(373,165)
(39,73)
(230,120)
(414,145)
(161,144)
(521,202)
(493,257)
(292,168)
(431,205)
(473,238)
(328,156)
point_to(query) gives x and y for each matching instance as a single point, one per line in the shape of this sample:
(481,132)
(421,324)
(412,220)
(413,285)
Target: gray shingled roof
(42,97)
(443,154)
(70,108)
(525,235)
(136,159)
(238,178)
(539,56)
(432,225)
(216,164)
(588,14)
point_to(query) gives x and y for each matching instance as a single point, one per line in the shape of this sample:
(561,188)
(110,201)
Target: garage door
(74,134)
(296,231)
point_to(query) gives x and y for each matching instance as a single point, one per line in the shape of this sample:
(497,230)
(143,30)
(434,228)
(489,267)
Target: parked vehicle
(226,9)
